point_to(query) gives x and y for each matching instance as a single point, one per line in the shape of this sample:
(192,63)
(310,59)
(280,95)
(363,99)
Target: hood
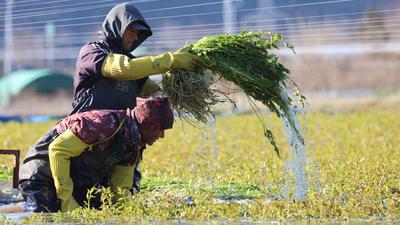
(117,20)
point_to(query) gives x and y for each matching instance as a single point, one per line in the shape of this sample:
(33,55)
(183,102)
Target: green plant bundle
(246,61)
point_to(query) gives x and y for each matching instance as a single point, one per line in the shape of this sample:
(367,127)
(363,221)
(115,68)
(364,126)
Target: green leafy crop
(245,60)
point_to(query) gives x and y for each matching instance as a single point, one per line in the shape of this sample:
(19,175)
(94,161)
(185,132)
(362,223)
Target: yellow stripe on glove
(65,146)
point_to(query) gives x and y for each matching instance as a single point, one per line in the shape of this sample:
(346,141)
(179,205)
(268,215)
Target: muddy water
(8,195)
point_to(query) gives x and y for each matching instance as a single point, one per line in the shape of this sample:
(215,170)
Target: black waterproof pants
(39,197)
(36,180)
(42,197)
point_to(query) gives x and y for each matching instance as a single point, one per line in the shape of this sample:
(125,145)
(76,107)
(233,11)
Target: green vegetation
(244,60)
(20,136)
(6,173)
(352,173)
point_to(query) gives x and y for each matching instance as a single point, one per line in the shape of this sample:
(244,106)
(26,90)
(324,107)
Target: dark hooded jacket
(91,89)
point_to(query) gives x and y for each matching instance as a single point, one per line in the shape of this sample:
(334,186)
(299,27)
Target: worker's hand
(69,204)
(185,60)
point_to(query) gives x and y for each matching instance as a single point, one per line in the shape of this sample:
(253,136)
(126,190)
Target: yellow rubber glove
(121,177)
(149,88)
(185,60)
(64,147)
(121,67)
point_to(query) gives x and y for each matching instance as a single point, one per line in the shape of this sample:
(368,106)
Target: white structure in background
(229,8)
(265,11)
(229,16)
(8,37)
(50,32)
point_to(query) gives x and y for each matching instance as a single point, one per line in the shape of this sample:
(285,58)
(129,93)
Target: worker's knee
(39,197)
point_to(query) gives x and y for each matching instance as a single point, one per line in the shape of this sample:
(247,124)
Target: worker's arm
(65,146)
(122,179)
(121,67)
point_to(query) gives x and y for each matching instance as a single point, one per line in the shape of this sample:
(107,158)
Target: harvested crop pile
(245,60)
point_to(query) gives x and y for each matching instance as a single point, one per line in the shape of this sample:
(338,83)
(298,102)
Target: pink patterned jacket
(98,128)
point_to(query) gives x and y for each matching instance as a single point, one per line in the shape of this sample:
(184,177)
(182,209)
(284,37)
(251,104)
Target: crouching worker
(97,148)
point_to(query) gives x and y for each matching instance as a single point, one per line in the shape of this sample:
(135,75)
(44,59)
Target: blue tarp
(6,118)
(29,119)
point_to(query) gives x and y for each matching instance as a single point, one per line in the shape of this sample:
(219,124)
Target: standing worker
(96,148)
(108,76)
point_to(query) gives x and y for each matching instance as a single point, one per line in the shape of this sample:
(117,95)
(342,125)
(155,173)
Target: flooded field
(229,174)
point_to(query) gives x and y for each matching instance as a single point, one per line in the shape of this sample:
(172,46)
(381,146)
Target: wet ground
(10,198)
(8,194)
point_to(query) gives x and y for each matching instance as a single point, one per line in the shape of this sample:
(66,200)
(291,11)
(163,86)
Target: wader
(90,169)
(36,160)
